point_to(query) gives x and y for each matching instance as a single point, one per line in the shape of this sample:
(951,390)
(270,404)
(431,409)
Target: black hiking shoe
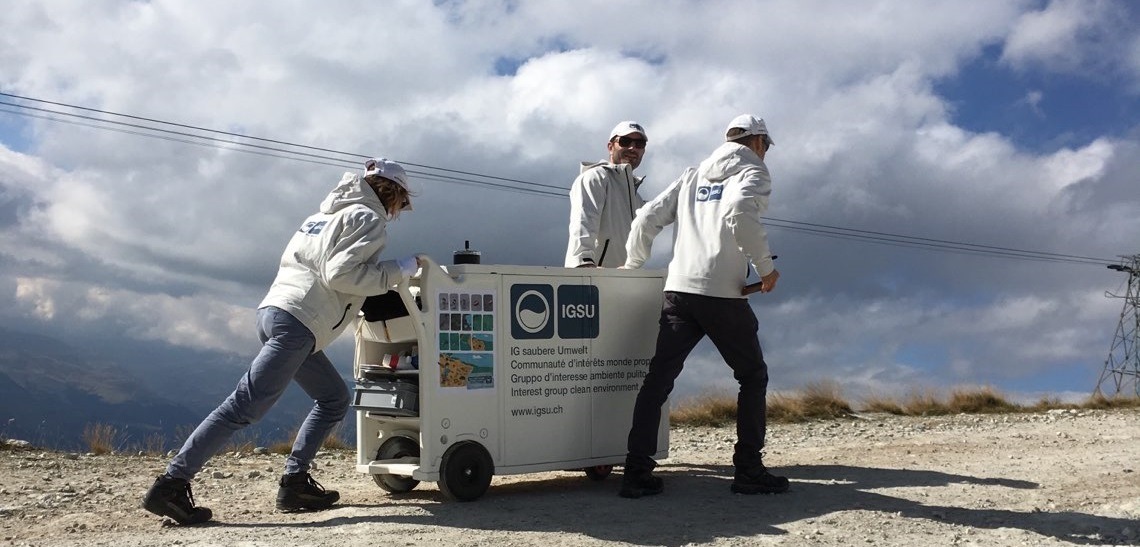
(169,497)
(755,479)
(299,492)
(635,484)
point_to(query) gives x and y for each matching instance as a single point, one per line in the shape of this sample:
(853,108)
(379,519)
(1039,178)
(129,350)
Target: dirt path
(1057,478)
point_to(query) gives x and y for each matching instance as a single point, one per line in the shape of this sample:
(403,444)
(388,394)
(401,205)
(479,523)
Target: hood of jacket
(352,190)
(605,164)
(727,160)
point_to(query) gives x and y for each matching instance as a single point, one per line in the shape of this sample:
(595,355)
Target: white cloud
(36,296)
(1051,35)
(1067,167)
(194,322)
(1081,36)
(1032,100)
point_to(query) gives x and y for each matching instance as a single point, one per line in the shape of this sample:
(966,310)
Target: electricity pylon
(1122,368)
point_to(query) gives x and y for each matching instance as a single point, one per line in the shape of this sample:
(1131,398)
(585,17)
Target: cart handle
(427,267)
(427,264)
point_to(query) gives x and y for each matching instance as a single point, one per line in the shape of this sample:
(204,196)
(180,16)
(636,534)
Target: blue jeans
(287,354)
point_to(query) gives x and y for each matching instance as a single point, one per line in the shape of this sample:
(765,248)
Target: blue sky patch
(508,66)
(1038,111)
(14,131)
(649,57)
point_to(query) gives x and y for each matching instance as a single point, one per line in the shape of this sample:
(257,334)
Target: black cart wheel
(599,472)
(465,472)
(393,449)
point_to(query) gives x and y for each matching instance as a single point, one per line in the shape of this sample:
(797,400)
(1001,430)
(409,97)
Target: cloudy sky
(994,126)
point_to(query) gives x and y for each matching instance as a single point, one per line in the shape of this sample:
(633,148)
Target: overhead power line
(927,243)
(294,151)
(225,140)
(271,152)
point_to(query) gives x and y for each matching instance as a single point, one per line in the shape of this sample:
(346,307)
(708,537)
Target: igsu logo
(578,311)
(532,309)
(537,314)
(710,193)
(574,311)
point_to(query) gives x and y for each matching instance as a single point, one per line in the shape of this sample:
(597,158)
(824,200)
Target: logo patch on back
(711,192)
(313,228)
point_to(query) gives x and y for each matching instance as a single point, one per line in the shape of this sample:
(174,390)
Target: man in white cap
(327,270)
(717,209)
(603,200)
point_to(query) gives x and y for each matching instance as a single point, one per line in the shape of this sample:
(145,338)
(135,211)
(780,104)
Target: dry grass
(1099,401)
(153,445)
(1049,403)
(103,439)
(281,447)
(984,400)
(924,403)
(241,442)
(782,408)
(100,438)
(823,400)
(332,442)
(817,401)
(709,409)
(335,442)
(879,403)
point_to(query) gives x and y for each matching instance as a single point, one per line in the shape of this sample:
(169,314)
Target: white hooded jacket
(603,201)
(331,264)
(718,209)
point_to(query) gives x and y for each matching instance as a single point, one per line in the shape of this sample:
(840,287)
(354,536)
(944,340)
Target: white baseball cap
(751,126)
(627,127)
(388,169)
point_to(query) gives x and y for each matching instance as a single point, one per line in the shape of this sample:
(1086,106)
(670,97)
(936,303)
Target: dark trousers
(731,325)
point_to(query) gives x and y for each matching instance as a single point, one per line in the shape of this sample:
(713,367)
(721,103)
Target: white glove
(408,265)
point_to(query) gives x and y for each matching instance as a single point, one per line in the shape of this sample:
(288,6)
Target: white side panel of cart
(576,348)
(620,358)
(539,365)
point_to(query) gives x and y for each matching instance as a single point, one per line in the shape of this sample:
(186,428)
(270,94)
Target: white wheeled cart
(521,369)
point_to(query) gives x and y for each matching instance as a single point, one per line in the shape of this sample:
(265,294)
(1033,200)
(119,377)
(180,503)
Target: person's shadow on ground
(697,506)
(853,484)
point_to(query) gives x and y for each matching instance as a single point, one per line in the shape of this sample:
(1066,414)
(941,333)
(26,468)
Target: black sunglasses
(626,142)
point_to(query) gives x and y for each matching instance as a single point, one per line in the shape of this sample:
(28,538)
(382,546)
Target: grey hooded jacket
(331,264)
(718,209)
(603,202)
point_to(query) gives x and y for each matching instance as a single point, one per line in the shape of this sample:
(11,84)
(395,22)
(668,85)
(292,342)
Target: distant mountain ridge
(51,390)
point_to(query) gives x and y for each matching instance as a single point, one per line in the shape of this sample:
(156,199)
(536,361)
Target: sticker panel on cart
(466,339)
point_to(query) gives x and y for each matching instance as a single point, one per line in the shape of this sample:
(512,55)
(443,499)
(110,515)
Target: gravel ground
(1054,478)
